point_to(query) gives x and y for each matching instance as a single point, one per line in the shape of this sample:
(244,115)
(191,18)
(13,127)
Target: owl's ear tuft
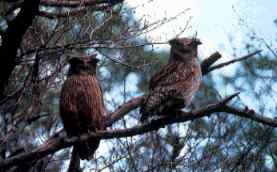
(196,41)
(93,59)
(172,41)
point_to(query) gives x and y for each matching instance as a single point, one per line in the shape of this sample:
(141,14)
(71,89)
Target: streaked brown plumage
(175,84)
(81,104)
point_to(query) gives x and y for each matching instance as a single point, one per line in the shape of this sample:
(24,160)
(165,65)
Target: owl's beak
(172,41)
(94,60)
(197,42)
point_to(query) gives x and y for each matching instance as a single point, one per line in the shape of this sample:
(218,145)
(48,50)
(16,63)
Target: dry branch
(233,61)
(55,144)
(209,61)
(251,114)
(72,3)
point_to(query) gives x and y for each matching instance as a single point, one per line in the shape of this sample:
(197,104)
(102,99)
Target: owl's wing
(174,73)
(163,73)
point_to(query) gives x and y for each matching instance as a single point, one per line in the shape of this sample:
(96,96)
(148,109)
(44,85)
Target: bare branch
(124,109)
(73,13)
(251,114)
(72,3)
(209,61)
(233,61)
(57,143)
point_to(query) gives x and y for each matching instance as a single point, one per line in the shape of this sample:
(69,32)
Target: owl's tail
(86,149)
(146,109)
(158,104)
(144,114)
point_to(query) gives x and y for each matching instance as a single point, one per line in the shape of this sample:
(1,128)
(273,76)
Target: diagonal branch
(252,115)
(56,143)
(233,61)
(209,61)
(124,109)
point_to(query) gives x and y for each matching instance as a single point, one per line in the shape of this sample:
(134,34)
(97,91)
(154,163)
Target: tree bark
(11,40)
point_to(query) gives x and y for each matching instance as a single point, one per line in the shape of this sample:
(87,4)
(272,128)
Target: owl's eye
(185,50)
(94,61)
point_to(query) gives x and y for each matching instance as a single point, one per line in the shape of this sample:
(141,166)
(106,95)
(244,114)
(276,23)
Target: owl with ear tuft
(82,108)
(173,87)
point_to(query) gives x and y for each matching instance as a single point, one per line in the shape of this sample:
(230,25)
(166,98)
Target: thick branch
(209,61)
(124,109)
(55,144)
(76,4)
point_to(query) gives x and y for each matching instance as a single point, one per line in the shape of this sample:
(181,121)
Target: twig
(251,114)
(233,61)
(119,62)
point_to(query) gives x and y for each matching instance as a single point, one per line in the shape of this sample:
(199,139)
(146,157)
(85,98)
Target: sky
(215,21)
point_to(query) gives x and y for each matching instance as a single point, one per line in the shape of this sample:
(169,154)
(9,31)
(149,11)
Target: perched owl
(173,87)
(81,104)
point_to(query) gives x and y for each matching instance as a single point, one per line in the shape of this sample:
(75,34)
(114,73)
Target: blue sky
(214,20)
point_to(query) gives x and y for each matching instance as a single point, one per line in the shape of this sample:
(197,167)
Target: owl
(81,104)
(173,87)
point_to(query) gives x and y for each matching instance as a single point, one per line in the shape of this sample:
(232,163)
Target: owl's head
(184,48)
(85,65)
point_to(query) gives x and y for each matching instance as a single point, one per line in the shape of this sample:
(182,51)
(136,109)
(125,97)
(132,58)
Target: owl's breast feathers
(81,104)
(82,110)
(175,81)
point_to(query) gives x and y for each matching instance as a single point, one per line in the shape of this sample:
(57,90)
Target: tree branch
(233,61)
(251,114)
(72,3)
(60,142)
(209,61)
(56,143)
(124,109)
